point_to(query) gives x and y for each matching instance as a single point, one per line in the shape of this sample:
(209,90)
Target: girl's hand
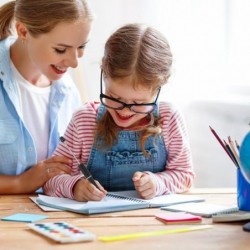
(85,191)
(144,185)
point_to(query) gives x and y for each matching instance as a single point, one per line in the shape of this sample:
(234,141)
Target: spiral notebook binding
(228,211)
(126,198)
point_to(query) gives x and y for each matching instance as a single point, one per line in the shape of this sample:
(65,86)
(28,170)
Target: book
(115,201)
(203,209)
(232,217)
(178,218)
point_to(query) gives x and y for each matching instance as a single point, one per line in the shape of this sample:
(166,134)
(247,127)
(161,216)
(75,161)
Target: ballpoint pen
(82,167)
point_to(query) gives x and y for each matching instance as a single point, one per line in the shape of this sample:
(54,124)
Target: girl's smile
(127,118)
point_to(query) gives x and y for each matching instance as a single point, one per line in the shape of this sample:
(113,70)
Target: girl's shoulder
(167,109)
(88,110)
(170,112)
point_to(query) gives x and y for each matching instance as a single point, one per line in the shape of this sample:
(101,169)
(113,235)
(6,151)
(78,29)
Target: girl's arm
(79,137)
(178,176)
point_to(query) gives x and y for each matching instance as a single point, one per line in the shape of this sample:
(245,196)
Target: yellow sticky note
(152,233)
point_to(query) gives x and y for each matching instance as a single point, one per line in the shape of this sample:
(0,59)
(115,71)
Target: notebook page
(162,200)
(44,208)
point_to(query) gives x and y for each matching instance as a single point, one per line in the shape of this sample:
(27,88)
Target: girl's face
(51,54)
(123,90)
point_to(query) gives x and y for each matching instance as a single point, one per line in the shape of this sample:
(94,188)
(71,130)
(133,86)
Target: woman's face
(51,54)
(124,91)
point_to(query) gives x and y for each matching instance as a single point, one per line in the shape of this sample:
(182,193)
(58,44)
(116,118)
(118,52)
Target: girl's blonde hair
(41,16)
(143,54)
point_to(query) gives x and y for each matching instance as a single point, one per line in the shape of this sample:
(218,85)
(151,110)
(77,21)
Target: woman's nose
(72,60)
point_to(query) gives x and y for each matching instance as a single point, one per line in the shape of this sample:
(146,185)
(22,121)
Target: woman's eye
(60,51)
(82,47)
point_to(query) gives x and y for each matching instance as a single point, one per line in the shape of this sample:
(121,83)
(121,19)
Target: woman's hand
(144,185)
(85,191)
(38,174)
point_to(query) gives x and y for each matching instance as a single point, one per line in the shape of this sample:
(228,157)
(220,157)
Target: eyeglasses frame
(125,105)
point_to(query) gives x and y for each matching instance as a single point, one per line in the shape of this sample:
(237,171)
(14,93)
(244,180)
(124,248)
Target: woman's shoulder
(5,56)
(7,42)
(5,49)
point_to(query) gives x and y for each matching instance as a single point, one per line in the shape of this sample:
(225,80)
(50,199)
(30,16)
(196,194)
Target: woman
(37,96)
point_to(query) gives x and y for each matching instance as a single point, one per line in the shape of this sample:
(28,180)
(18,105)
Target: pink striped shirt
(176,178)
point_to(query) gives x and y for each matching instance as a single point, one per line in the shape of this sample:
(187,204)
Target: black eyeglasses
(113,103)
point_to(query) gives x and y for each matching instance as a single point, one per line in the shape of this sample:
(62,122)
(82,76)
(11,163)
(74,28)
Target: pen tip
(62,139)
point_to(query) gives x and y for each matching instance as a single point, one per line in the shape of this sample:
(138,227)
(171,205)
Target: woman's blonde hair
(41,16)
(143,54)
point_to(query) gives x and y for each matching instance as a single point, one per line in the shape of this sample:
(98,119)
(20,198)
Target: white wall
(194,28)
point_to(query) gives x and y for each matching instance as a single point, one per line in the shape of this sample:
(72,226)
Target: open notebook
(115,201)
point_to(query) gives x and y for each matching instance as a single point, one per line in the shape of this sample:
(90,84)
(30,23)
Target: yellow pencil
(152,233)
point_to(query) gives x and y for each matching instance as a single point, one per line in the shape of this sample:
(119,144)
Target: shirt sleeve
(178,175)
(79,138)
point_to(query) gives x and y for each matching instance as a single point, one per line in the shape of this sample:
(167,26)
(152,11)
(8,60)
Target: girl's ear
(21,30)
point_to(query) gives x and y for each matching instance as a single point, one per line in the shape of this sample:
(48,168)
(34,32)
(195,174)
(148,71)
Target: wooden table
(16,235)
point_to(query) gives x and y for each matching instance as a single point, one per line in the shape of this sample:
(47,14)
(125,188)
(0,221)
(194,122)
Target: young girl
(37,95)
(129,141)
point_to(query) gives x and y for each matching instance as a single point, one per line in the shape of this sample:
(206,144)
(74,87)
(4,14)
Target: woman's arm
(35,177)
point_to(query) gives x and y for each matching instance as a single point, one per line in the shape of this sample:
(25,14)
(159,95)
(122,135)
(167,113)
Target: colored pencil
(233,148)
(222,144)
(153,233)
(231,154)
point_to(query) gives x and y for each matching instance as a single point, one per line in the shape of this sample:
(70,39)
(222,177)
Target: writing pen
(82,167)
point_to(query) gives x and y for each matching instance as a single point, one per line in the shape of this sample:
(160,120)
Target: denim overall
(115,167)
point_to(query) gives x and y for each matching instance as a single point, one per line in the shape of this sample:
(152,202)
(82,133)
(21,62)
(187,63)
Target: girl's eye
(60,51)
(117,98)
